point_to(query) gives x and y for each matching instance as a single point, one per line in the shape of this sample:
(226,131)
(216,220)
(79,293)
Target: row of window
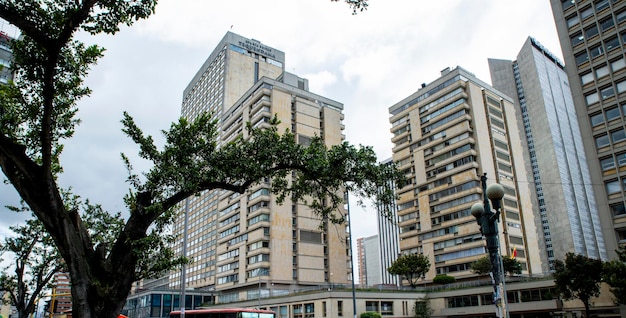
(607,116)
(606,92)
(614,136)
(587,12)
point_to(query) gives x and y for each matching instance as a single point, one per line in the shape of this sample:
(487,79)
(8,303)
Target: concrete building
(446,136)
(246,246)
(592,36)
(560,174)
(370,270)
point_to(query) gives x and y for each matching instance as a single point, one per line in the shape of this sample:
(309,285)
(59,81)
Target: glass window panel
(567,4)
(613,187)
(591,31)
(621,86)
(586,78)
(602,71)
(585,13)
(592,98)
(621,16)
(611,44)
(573,20)
(602,141)
(597,119)
(596,51)
(602,4)
(621,159)
(607,92)
(582,58)
(618,64)
(577,38)
(607,23)
(618,135)
(612,113)
(607,163)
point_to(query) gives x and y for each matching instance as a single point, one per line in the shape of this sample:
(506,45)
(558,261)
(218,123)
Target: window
(612,113)
(577,38)
(621,86)
(618,136)
(591,31)
(592,98)
(618,209)
(386,308)
(587,12)
(586,78)
(602,141)
(597,119)
(601,5)
(596,51)
(621,159)
(613,187)
(573,20)
(618,64)
(607,163)
(621,16)
(567,4)
(607,92)
(607,23)
(581,58)
(611,44)
(602,71)
(371,306)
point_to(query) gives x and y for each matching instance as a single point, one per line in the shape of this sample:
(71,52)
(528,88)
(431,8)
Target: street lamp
(488,222)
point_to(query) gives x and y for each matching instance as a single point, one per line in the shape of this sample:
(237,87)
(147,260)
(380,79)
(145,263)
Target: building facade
(562,184)
(592,36)
(246,246)
(370,269)
(7,33)
(446,136)
(388,239)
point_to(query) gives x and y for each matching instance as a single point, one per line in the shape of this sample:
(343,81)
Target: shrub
(444,279)
(371,314)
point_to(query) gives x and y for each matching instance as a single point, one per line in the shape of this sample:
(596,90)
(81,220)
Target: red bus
(225,313)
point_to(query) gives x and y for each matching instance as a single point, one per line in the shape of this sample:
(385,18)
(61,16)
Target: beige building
(245,245)
(446,136)
(592,36)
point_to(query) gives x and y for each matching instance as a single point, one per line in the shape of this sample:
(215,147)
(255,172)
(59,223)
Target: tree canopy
(35,261)
(578,277)
(411,267)
(104,252)
(614,274)
(511,266)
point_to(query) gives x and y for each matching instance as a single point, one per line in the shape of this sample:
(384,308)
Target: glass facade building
(558,164)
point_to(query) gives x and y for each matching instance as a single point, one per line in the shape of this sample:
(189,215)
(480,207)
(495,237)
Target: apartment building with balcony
(446,135)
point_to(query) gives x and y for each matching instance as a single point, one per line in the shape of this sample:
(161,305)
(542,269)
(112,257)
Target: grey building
(592,36)
(557,165)
(388,236)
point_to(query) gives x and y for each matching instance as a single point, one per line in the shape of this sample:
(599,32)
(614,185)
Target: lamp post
(488,222)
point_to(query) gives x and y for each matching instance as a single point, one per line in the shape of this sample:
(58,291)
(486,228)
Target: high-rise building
(369,261)
(560,175)
(388,240)
(246,246)
(7,33)
(592,36)
(446,136)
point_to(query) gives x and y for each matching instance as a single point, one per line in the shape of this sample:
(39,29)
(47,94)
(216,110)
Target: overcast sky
(367,61)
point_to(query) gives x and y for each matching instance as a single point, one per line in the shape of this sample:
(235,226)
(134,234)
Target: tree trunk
(587,310)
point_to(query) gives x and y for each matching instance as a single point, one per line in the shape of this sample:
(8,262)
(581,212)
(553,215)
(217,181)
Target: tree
(410,267)
(444,279)
(614,274)
(482,266)
(578,278)
(104,252)
(422,308)
(36,260)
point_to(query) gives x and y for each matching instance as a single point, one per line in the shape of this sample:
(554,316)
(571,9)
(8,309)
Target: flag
(514,254)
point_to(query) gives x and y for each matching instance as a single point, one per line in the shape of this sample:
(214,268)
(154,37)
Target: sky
(368,62)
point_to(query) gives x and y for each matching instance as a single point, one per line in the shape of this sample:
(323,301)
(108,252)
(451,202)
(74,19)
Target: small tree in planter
(371,314)
(444,279)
